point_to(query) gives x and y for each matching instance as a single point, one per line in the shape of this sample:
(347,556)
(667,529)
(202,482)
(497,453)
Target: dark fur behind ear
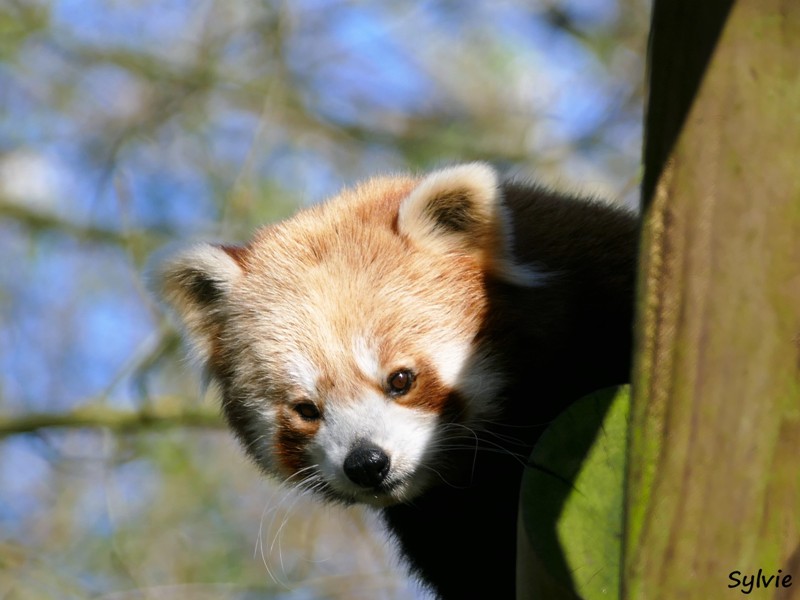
(202,288)
(461,210)
(453,211)
(195,283)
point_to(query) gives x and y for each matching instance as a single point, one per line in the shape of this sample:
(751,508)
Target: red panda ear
(196,283)
(460,209)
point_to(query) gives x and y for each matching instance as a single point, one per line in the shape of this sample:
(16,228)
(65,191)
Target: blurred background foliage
(128,125)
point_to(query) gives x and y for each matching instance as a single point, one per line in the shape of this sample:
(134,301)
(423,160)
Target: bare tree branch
(118,421)
(43,221)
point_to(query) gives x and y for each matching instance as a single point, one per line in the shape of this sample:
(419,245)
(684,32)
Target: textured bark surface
(714,457)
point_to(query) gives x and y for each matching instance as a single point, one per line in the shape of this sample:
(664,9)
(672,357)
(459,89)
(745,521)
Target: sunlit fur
(325,306)
(484,291)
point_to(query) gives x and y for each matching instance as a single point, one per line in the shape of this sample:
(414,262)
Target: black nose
(366,465)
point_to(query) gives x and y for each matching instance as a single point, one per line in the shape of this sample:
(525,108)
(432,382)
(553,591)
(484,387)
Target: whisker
(273,506)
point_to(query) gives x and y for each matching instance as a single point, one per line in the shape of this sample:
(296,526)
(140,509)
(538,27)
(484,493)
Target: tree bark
(714,456)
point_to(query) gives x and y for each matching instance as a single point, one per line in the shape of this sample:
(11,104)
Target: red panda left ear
(460,209)
(196,283)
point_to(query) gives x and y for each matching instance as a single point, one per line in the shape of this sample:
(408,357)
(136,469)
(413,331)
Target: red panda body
(405,344)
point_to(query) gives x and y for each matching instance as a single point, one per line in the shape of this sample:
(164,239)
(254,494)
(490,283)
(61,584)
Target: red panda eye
(307,411)
(400,382)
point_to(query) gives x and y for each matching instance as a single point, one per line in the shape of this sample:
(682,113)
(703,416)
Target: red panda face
(346,340)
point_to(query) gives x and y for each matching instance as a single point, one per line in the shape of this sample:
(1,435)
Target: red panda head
(347,340)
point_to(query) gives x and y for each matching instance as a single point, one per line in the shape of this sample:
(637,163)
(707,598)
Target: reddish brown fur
(294,434)
(503,322)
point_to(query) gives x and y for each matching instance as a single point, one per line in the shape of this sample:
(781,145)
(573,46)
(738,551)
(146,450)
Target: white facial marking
(302,372)
(450,358)
(403,433)
(366,358)
(472,372)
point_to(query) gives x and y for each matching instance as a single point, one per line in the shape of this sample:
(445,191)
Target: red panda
(404,345)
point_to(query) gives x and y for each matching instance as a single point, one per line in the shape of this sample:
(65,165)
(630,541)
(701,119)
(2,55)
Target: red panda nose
(366,465)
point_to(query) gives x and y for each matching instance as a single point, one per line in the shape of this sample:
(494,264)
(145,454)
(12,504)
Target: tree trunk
(714,456)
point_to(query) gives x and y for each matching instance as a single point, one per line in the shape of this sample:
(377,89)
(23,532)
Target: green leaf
(570,538)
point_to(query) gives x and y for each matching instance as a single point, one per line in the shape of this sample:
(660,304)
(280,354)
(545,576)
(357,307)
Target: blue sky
(74,313)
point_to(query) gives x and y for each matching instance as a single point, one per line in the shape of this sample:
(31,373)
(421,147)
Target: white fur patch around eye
(449,359)
(366,358)
(302,372)
(472,372)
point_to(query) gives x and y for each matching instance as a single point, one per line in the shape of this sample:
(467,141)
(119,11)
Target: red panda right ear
(461,210)
(196,283)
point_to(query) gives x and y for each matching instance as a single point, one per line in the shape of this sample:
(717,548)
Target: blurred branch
(118,421)
(42,221)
